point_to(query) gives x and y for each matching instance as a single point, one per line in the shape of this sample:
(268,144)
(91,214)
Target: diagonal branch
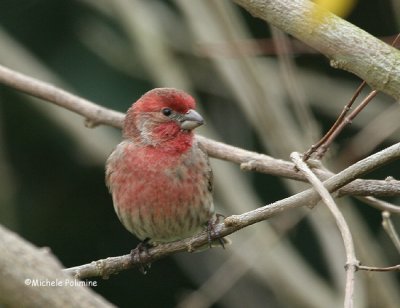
(390,230)
(347,46)
(95,115)
(309,197)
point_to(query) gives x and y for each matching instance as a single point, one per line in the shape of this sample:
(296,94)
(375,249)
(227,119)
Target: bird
(159,176)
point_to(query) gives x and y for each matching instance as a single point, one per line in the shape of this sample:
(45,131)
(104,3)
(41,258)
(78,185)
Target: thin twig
(381,128)
(380,204)
(346,120)
(379,269)
(339,120)
(390,230)
(351,260)
(396,40)
(323,144)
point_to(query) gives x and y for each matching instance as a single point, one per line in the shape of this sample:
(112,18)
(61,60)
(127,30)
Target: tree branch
(395,268)
(380,204)
(33,277)
(347,46)
(95,115)
(351,260)
(309,197)
(390,230)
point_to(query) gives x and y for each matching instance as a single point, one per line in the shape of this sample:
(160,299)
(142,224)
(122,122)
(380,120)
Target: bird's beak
(191,120)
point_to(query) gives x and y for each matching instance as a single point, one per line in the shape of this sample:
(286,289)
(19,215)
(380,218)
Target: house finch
(159,177)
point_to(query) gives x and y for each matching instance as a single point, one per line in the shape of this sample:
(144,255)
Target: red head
(160,115)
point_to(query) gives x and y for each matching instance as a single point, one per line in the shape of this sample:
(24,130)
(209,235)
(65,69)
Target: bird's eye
(166,111)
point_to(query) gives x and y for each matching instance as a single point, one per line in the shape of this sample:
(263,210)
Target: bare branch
(347,46)
(322,145)
(309,197)
(248,160)
(94,114)
(251,161)
(390,230)
(33,277)
(380,205)
(379,269)
(351,260)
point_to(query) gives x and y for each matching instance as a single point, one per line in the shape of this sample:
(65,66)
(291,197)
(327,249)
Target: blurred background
(258,89)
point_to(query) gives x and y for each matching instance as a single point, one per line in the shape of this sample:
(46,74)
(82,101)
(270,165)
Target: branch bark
(351,260)
(309,197)
(26,274)
(347,46)
(395,268)
(96,115)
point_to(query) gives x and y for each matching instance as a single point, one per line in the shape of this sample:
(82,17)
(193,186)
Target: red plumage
(159,177)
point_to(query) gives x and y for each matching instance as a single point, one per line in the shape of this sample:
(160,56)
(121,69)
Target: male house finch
(159,177)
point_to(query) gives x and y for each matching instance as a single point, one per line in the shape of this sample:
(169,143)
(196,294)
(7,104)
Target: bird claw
(142,247)
(211,232)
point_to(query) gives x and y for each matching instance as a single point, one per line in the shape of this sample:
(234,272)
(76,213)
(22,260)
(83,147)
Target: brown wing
(112,160)
(209,174)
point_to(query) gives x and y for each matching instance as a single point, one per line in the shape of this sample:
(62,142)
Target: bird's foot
(213,233)
(142,248)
